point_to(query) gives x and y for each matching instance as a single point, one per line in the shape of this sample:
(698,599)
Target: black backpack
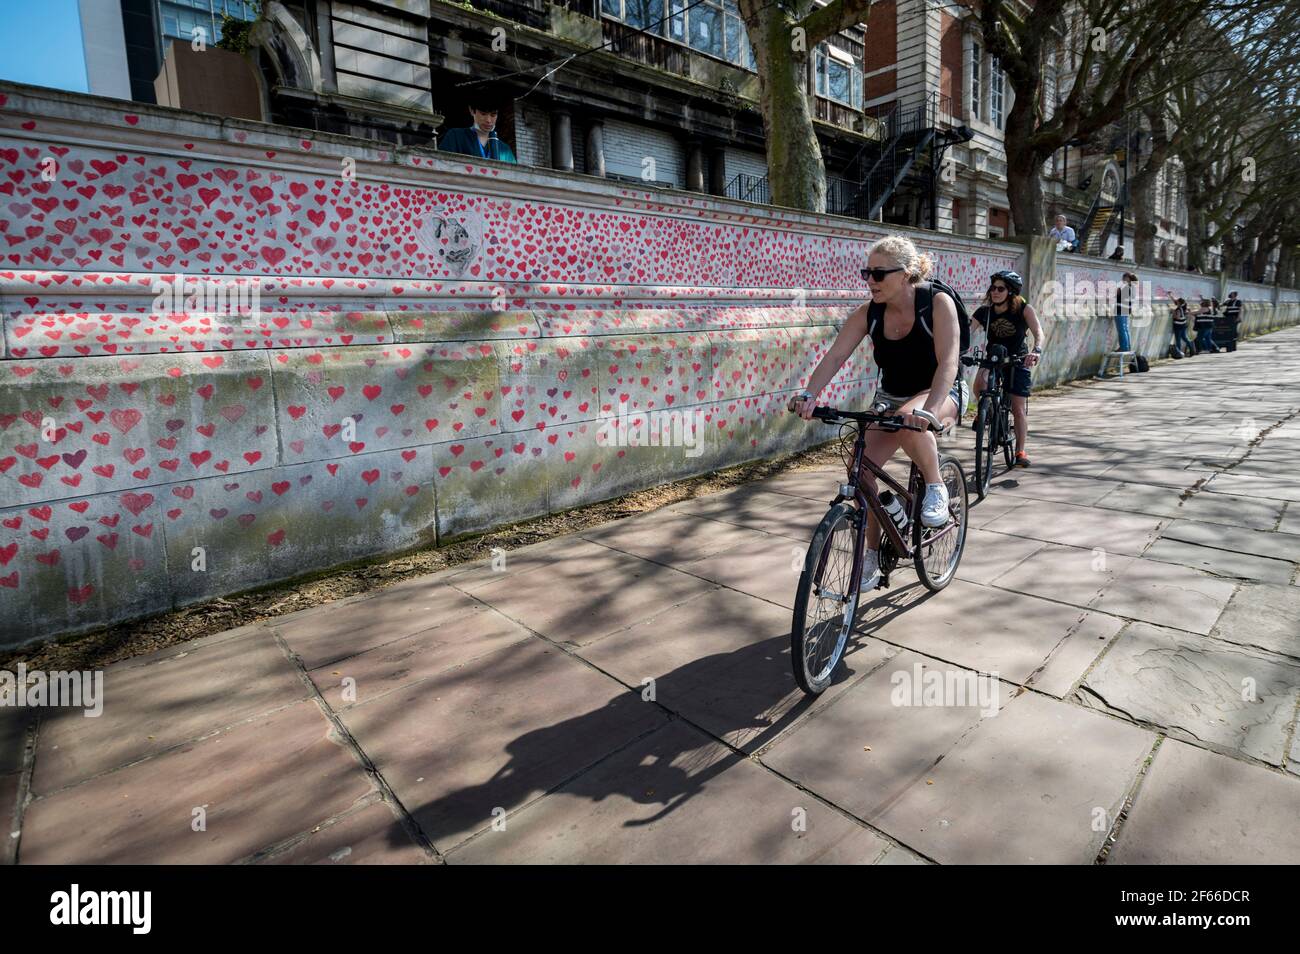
(924,303)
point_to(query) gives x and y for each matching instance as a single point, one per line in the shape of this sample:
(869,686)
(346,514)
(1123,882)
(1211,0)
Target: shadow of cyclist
(655,754)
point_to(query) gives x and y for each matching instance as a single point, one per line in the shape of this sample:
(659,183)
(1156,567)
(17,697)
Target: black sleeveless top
(907,365)
(1006,328)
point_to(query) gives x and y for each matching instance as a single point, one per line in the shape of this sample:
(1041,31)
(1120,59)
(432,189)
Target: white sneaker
(870,571)
(934,509)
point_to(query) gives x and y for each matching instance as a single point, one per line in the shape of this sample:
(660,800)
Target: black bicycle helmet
(1011,279)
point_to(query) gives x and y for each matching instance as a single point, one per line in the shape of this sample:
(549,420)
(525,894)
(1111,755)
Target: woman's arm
(845,343)
(1036,329)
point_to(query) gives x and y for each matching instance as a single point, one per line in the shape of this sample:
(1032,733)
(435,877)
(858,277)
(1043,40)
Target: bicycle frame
(869,500)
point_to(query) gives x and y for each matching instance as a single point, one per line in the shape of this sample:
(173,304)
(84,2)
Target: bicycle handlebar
(888,422)
(981,359)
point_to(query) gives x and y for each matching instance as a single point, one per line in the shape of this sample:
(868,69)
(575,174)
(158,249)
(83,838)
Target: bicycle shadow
(652,756)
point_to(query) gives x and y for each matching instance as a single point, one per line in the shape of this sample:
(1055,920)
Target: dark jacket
(466,142)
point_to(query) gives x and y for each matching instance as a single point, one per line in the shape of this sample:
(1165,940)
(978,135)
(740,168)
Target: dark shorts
(1018,381)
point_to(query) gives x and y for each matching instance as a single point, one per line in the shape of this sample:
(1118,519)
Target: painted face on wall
(453,244)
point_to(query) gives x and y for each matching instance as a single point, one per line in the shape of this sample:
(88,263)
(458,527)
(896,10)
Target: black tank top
(1007,328)
(907,365)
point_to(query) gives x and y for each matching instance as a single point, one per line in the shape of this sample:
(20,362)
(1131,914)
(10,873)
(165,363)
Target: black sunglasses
(878,274)
(998,288)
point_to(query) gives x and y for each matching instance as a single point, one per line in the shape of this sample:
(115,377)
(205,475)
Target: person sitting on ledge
(479,139)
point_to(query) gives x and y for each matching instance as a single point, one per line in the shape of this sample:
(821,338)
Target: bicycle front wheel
(938,550)
(984,447)
(826,601)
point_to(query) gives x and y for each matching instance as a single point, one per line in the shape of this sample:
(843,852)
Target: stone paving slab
(989,509)
(260,783)
(1282,485)
(1022,788)
(1068,574)
(1202,808)
(663,537)
(1155,475)
(1279,546)
(816,484)
(674,797)
(1087,527)
(723,661)
(403,662)
(1012,637)
(1225,563)
(988,555)
(495,733)
(576,602)
(1216,693)
(148,709)
(747,498)
(866,749)
(766,566)
(897,855)
(1166,594)
(1250,512)
(795,521)
(371,836)
(1075,653)
(537,556)
(1074,490)
(1264,616)
(1290,522)
(332,632)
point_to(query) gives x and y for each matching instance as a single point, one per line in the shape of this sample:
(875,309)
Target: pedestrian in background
(1203,322)
(1231,319)
(1182,345)
(1124,310)
(1061,232)
(480,137)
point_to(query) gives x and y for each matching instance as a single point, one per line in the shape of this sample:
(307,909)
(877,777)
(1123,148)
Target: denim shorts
(896,402)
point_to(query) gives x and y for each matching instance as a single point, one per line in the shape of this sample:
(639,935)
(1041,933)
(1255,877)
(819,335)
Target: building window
(995,93)
(647,15)
(975,92)
(706,29)
(710,26)
(179,18)
(838,76)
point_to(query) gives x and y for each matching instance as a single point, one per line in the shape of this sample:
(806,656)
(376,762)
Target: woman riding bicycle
(1006,316)
(916,351)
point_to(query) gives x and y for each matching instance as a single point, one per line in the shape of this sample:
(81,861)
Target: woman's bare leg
(921,446)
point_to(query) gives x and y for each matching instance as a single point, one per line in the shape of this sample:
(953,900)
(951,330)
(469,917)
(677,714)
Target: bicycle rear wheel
(825,604)
(985,445)
(937,557)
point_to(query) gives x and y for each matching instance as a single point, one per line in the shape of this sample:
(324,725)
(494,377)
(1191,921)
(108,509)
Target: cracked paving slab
(1227,697)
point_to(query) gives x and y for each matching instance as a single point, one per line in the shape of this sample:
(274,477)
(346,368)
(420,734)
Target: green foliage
(235,33)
